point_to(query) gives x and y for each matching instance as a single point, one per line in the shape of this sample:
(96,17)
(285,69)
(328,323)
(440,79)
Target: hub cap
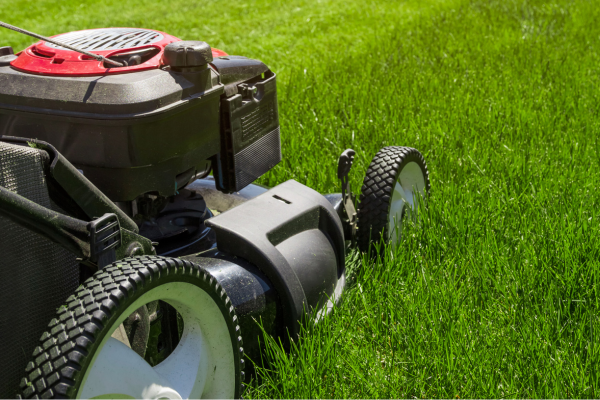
(410,183)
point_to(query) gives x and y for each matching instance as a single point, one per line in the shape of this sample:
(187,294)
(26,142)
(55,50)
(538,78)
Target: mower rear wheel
(395,179)
(80,356)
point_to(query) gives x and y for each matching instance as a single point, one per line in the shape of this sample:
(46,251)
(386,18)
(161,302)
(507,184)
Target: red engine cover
(48,59)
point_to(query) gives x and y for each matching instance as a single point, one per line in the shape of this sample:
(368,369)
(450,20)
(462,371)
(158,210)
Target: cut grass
(494,293)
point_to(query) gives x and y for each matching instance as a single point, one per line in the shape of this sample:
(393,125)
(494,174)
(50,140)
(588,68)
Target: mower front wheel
(395,179)
(81,355)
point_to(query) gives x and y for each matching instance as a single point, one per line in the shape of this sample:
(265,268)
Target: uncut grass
(493,292)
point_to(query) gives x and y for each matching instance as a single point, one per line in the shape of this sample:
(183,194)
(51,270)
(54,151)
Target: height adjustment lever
(344,166)
(105,237)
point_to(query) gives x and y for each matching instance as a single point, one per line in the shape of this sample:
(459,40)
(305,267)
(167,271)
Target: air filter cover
(250,142)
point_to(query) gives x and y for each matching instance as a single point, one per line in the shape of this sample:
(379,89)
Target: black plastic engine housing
(134,133)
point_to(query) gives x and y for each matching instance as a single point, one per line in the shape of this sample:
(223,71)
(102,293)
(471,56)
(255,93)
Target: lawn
(493,292)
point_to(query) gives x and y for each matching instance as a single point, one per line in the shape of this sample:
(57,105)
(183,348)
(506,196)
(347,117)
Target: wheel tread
(376,192)
(63,350)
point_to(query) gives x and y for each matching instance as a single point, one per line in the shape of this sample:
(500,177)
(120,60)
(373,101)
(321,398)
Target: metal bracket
(344,166)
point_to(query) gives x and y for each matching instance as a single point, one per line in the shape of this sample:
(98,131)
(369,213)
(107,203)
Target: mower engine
(142,132)
(172,111)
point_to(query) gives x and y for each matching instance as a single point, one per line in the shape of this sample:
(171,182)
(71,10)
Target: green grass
(494,292)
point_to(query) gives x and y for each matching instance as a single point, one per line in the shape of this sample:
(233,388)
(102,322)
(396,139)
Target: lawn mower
(139,259)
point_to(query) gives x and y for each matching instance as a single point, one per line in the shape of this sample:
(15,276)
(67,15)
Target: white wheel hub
(202,364)
(410,183)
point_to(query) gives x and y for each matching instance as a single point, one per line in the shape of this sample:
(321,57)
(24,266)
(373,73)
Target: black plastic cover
(135,133)
(237,69)
(251,143)
(130,133)
(292,234)
(252,295)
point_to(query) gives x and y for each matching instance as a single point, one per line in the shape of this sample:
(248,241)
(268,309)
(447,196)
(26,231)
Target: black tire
(67,349)
(376,193)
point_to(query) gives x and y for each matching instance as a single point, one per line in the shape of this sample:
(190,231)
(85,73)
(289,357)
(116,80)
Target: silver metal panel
(108,38)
